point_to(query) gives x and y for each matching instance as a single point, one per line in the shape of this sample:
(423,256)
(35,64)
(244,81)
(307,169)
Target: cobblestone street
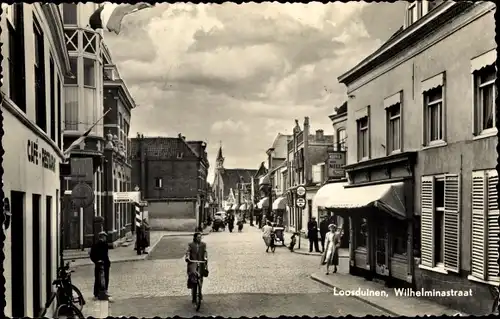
(244,281)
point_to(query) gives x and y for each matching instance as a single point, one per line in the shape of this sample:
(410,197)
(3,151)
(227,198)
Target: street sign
(126,197)
(82,195)
(301,202)
(301,191)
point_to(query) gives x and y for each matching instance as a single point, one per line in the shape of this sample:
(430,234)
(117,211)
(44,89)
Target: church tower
(219,160)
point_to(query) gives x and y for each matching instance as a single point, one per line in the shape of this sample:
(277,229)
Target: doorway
(17,200)
(36,201)
(48,246)
(381,249)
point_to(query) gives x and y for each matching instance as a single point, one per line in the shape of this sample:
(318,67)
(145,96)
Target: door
(48,246)
(71,226)
(309,209)
(36,252)
(381,251)
(17,253)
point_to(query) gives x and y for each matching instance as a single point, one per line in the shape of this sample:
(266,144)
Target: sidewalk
(96,309)
(392,304)
(127,253)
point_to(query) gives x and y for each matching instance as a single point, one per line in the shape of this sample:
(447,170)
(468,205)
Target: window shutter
(452,222)
(427,221)
(493,228)
(478,225)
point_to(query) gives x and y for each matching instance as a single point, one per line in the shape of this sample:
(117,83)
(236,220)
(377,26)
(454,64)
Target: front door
(381,251)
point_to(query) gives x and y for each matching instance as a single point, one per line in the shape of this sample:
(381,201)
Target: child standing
(293,241)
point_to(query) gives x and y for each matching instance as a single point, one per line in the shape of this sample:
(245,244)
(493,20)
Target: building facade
(117,166)
(33,51)
(171,175)
(423,111)
(232,186)
(83,104)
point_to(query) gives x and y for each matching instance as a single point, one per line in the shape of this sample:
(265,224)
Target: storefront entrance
(381,249)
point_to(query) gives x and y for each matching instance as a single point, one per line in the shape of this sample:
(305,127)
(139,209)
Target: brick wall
(180,178)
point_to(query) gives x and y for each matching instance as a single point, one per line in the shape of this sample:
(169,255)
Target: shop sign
(40,156)
(301,202)
(335,164)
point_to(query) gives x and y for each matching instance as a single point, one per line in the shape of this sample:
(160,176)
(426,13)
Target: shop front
(279,210)
(380,215)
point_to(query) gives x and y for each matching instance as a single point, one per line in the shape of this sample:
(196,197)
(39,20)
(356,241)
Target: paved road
(244,281)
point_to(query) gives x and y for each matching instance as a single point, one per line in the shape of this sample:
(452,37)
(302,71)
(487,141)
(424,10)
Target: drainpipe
(307,166)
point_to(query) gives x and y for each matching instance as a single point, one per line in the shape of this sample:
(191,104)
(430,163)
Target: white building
(34,51)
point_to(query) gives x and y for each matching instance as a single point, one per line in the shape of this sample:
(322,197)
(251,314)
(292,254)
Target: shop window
(484,101)
(362,234)
(40,103)
(400,238)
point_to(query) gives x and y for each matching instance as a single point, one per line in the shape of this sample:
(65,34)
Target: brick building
(171,174)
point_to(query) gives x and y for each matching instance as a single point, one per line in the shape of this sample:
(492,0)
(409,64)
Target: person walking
(331,255)
(323,230)
(266,235)
(99,254)
(312,234)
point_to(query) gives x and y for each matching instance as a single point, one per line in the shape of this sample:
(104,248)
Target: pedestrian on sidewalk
(266,235)
(331,255)
(99,254)
(323,230)
(312,234)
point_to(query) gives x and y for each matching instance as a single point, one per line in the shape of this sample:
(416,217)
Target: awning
(207,205)
(235,207)
(263,203)
(264,180)
(227,207)
(388,197)
(279,203)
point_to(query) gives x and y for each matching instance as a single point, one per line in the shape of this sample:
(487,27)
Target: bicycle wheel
(77,297)
(198,297)
(68,311)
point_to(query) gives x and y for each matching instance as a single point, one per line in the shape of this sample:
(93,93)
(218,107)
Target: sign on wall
(335,164)
(40,156)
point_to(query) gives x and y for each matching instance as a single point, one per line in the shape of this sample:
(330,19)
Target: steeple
(220,159)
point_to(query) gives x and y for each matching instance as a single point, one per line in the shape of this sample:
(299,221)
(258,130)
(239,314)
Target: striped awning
(263,203)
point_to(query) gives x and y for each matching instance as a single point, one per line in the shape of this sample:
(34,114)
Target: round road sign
(82,195)
(301,202)
(301,190)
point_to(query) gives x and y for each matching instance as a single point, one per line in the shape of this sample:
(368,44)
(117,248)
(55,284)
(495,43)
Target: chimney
(319,135)
(306,122)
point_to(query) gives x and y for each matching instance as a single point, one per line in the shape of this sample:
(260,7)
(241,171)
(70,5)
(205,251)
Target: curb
(104,309)
(307,253)
(392,313)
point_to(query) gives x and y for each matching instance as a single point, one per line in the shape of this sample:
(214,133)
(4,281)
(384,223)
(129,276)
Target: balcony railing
(300,137)
(111,73)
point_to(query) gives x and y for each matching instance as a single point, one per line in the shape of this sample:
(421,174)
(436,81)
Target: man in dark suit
(323,230)
(312,234)
(99,254)
(197,250)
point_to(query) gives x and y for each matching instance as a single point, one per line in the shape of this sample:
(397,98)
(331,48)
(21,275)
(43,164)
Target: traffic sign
(82,195)
(301,202)
(301,191)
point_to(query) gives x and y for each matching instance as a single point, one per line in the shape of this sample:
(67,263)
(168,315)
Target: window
(53,104)
(432,4)
(484,99)
(70,13)
(59,111)
(400,238)
(362,234)
(440,222)
(16,61)
(89,72)
(394,128)
(413,10)
(159,182)
(341,139)
(73,62)
(433,112)
(40,104)
(71,38)
(485,227)
(363,142)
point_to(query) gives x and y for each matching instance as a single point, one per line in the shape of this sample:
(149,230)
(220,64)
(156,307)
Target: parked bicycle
(495,292)
(197,286)
(69,299)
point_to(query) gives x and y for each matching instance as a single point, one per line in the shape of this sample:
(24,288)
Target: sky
(241,74)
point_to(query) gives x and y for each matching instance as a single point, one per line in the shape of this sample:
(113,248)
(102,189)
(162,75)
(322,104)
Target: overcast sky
(242,73)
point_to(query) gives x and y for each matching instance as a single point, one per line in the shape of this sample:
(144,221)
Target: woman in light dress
(266,235)
(331,255)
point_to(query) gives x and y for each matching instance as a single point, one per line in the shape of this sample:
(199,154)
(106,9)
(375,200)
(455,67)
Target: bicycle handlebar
(196,261)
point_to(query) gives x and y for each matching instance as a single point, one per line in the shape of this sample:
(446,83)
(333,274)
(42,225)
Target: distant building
(171,174)
(232,186)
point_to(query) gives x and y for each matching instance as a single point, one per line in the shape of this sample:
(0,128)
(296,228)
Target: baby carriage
(279,235)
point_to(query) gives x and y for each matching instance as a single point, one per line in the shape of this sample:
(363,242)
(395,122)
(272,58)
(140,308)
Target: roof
(233,176)
(261,171)
(219,154)
(280,145)
(165,147)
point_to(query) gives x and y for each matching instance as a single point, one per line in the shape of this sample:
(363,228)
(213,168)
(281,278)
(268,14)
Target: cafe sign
(40,156)
(335,164)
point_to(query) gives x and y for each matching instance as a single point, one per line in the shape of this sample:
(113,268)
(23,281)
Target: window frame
(478,99)
(427,116)
(63,16)
(390,119)
(158,182)
(365,130)
(94,75)
(40,77)
(341,142)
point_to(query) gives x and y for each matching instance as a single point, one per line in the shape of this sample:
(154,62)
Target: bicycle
(67,302)
(196,289)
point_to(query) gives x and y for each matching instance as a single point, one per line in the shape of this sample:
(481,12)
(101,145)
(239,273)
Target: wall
(24,176)
(180,178)
(172,215)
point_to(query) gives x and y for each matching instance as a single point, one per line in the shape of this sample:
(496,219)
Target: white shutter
(493,228)
(427,220)
(452,222)
(316,173)
(478,225)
